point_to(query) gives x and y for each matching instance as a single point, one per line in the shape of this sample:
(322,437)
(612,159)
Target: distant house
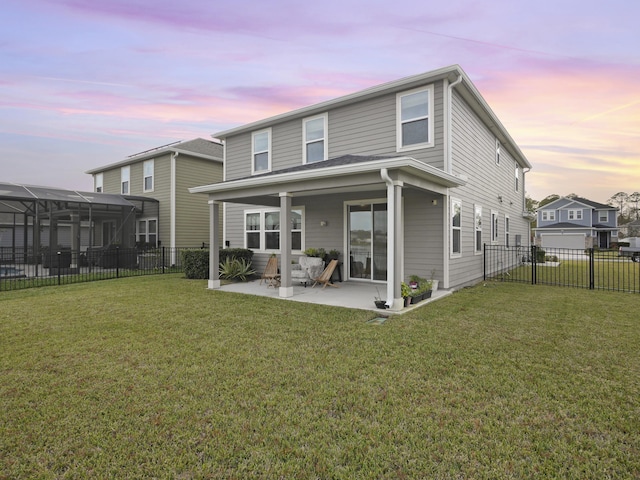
(409,177)
(630,229)
(165,174)
(576,223)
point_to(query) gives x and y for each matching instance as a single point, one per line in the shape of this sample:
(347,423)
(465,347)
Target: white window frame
(548,215)
(455,202)
(99,182)
(262,231)
(324,139)
(148,171)
(146,234)
(506,231)
(574,214)
(517,179)
(429,117)
(255,152)
(494,226)
(498,148)
(603,216)
(125,180)
(477,223)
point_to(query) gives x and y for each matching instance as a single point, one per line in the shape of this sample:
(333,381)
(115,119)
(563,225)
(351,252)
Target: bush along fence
(591,268)
(21,268)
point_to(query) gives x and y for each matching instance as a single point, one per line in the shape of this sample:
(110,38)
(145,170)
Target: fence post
(59,263)
(592,275)
(117,262)
(534,261)
(484,262)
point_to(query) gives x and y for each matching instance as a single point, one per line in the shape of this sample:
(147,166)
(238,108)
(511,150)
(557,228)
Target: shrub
(540,255)
(195,263)
(236,269)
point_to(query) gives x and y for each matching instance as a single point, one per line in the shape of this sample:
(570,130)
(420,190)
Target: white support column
(395,247)
(214,247)
(286,287)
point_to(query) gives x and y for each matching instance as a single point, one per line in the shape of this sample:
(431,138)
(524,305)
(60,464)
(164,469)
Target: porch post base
(397,305)
(286,292)
(213,284)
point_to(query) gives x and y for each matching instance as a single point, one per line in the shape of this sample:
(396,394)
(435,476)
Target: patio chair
(270,274)
(325,277)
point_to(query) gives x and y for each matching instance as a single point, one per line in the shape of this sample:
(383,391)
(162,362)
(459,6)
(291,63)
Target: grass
(158,377)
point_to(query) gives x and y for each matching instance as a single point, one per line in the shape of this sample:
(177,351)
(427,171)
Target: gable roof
(567,201)
(198,147)
(452,73)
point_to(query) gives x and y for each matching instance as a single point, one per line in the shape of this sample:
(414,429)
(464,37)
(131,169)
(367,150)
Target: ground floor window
(147,232)
(456,227)
(262,229)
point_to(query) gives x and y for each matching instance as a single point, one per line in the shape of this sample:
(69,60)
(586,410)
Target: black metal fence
(590,268)
(21,268)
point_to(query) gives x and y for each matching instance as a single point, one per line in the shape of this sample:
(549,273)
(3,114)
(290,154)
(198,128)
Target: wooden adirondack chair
(270,274)
(325,276)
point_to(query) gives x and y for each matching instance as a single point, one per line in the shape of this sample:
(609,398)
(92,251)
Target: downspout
(384,174)
(172,211)
(448,169)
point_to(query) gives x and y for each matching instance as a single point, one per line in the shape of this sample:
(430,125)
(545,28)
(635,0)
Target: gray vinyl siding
(192,210)
(364,128)
(473,155)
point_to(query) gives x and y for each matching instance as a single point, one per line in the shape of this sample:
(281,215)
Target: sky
(86,83)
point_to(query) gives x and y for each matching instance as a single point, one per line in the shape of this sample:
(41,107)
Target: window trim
(255,152)
(495,226)
(498,151)
(507,233)
(98,182)
(577,214)
(325,137)
(453,228)
(145,176)
(262,231)
(430,120)
(125,177)
(517,179)
(477,227)
(603,216)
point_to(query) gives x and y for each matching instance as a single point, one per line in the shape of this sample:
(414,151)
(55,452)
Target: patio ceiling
(349,173)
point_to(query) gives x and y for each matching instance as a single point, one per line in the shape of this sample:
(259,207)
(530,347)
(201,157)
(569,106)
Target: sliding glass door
(368,241)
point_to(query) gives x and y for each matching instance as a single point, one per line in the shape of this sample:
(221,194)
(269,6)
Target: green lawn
(159,377)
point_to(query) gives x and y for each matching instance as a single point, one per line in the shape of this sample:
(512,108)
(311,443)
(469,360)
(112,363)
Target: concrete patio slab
(351,294)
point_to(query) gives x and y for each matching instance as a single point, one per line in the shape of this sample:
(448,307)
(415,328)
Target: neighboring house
(408,177)
(576,223)
(165,174)
(630,229)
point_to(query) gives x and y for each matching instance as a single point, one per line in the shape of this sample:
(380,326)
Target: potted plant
(315,252)
(405,292)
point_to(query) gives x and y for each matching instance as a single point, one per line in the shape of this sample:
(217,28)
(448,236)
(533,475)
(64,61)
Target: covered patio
(337,179)
(360,295)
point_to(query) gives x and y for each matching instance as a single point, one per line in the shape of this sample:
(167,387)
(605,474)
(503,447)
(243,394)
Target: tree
(635,199)
(619,200)
(548,199)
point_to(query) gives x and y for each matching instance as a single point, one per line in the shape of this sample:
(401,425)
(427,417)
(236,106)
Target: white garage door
(571,240)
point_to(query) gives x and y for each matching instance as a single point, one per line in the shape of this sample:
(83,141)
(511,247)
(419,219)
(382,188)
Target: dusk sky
(86,83)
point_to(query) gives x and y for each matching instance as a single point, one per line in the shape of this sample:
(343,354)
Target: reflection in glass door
(368,241)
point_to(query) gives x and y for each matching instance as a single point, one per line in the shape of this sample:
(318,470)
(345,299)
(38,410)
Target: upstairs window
(575,215)
(517,177)
(456,227)
(603,216)
(261,151)
(548,215)
(498,148)
(415,119)
(99,180)
(148,168)
(125,173)
(315,139)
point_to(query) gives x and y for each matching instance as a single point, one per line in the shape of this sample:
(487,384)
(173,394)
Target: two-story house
(576,223)
(409,177)
(165,174)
